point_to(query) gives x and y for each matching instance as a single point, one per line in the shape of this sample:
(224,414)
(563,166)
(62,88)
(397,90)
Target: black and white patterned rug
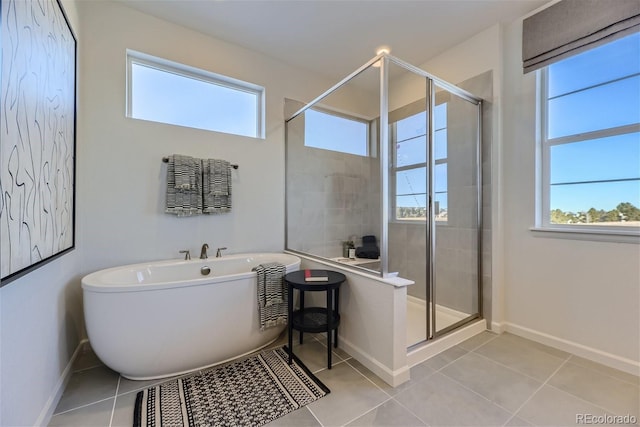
(249,392)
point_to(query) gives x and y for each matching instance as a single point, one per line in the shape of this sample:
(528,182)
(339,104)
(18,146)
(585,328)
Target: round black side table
(314,319)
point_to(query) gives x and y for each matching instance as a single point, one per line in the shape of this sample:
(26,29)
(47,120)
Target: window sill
(593,235)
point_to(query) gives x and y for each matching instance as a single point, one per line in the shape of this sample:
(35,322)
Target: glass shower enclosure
(387,163)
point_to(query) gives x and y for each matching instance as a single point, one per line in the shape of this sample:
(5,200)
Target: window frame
(187,71)
(347,116)
(543,169)
(395,169)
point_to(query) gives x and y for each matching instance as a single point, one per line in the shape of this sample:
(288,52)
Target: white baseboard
(392,377)
(54,399)
(497,327)
(593,354)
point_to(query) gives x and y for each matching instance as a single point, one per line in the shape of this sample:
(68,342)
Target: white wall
(40,324)
(582,296)
(120,196)
(580,293)
(122,191)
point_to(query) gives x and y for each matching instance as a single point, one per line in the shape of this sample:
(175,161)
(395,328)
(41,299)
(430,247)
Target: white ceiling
(334,37)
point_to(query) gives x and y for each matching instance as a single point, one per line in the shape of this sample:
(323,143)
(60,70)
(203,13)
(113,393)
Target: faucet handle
(219,252)
(187,254)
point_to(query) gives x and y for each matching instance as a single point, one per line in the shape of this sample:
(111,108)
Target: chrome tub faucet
(187,254)
(203,251)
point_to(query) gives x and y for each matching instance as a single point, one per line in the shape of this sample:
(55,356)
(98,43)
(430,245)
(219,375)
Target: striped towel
(217,186)
(184,186)
(272,295)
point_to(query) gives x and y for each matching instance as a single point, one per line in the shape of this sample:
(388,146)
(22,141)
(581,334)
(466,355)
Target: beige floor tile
(299,418)
(553,407)
(517,422)
(480,382)
(441,360)
(314,355)
(440,401)
(524,356)
(621,375)
(390,413)
(417,374)
(123,411)
(88,386)
(501,385)
(614,395)
(97,414)
(352,395)
(477,340)
(86,359)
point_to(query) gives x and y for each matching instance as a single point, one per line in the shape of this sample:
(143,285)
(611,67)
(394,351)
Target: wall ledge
(394,281)
(593,235)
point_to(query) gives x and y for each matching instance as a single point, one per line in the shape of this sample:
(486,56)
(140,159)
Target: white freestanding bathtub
(165,318)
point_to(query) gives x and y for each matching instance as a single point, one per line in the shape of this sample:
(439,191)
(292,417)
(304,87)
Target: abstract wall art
(37,136)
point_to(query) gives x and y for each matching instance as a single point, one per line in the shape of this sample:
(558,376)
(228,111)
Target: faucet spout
(203,251)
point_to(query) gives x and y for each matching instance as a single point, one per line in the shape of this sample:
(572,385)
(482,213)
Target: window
(590,145)
(167,92)
(410,165)
(329,130)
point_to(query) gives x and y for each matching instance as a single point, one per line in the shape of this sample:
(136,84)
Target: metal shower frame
(385,59)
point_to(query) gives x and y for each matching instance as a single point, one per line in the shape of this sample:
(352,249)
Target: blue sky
(573,111)
(165,97)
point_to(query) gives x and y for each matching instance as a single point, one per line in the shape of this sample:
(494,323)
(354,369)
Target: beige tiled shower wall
(330,196)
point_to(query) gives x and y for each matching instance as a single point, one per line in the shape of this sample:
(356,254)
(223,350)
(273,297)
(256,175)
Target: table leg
(301,308)
(336,309)
(290,321)
(329,327)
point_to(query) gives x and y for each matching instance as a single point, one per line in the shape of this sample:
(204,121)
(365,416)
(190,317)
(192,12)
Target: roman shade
(573,26)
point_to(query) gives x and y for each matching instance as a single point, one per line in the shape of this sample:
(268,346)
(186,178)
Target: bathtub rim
(92,282)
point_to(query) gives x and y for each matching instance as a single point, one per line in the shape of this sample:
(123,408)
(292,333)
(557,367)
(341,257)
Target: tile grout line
(476,393)
(389,397)
(82,406)
(582,399)
(451,362)
(115,399)
(481,345)
(603,373)
(367,378)
(314,415)
(366,412)
(537,390)
(410,411)
(513,369)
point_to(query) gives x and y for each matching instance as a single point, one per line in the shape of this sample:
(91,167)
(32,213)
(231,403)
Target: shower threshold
(417,315)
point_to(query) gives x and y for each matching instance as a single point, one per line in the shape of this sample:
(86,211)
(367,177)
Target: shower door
(455,250)
(434,201)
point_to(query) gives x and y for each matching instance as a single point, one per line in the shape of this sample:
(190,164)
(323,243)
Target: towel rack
(166,160)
